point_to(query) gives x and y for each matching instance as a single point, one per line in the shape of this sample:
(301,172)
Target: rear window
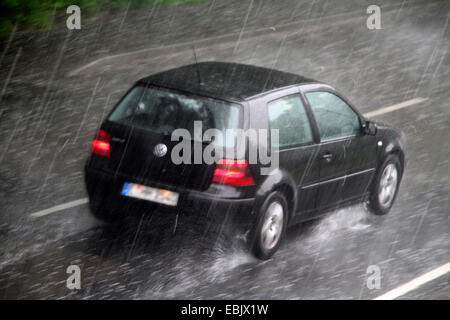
(163,111)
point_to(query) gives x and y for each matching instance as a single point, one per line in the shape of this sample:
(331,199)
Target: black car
(328,154)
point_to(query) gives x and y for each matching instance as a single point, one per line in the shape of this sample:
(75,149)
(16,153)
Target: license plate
(138,191)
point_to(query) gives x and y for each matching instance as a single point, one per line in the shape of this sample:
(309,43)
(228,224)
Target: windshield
(163,111)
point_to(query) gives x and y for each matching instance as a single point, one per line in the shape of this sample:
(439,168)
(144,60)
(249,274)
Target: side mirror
(370,128)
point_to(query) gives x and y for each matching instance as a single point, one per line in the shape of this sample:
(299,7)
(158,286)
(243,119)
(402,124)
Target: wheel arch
(289,193)
(282,182)
(395,151)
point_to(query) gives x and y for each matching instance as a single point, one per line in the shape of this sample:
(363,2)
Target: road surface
(55,94)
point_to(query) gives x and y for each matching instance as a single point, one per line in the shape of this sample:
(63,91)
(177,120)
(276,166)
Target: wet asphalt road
(50,109)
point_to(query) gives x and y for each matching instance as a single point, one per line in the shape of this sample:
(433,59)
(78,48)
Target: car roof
(225,80)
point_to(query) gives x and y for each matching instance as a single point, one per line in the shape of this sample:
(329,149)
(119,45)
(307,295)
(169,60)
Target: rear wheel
(385,188)
(270,228)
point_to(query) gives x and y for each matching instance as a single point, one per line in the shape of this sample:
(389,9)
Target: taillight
(101,144)
(234,172)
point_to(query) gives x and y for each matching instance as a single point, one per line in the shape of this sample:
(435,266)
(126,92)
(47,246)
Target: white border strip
(60,207)
(415,283)
(394,107)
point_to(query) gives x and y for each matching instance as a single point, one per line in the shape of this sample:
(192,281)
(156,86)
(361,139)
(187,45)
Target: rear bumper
(191,202)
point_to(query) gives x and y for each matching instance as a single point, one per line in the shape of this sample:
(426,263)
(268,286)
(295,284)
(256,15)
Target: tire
(270,227)
(385,187)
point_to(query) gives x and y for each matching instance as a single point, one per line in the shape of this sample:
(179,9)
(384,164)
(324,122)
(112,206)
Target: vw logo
(160,150)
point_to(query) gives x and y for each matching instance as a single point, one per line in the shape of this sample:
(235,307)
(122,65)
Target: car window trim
(310,144)
(298,145)
(325,141)
(243,123)
(332,91)
(329,90)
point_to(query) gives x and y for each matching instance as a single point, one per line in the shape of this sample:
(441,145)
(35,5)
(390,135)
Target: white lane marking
(415,283)
(85,200)
(59,207)
(394,107)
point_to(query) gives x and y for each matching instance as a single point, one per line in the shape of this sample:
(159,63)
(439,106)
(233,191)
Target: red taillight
(101,145)
(102,134)
(234,172)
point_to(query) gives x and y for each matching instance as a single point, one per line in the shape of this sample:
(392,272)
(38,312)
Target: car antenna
(200,83)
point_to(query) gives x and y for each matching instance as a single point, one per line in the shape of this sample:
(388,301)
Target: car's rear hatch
(133,137)
(133,155)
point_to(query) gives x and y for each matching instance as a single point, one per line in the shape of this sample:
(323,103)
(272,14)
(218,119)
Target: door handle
(327,157)
(116,139)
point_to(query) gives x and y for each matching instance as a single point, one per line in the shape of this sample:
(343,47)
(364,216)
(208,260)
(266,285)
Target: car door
(344,156)
(297,144)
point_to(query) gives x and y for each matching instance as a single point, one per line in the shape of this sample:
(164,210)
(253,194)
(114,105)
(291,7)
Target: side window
(288,115)
(334,117)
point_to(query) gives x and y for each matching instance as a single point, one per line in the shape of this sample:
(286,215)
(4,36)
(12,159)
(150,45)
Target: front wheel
(269,230)
(385,188)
